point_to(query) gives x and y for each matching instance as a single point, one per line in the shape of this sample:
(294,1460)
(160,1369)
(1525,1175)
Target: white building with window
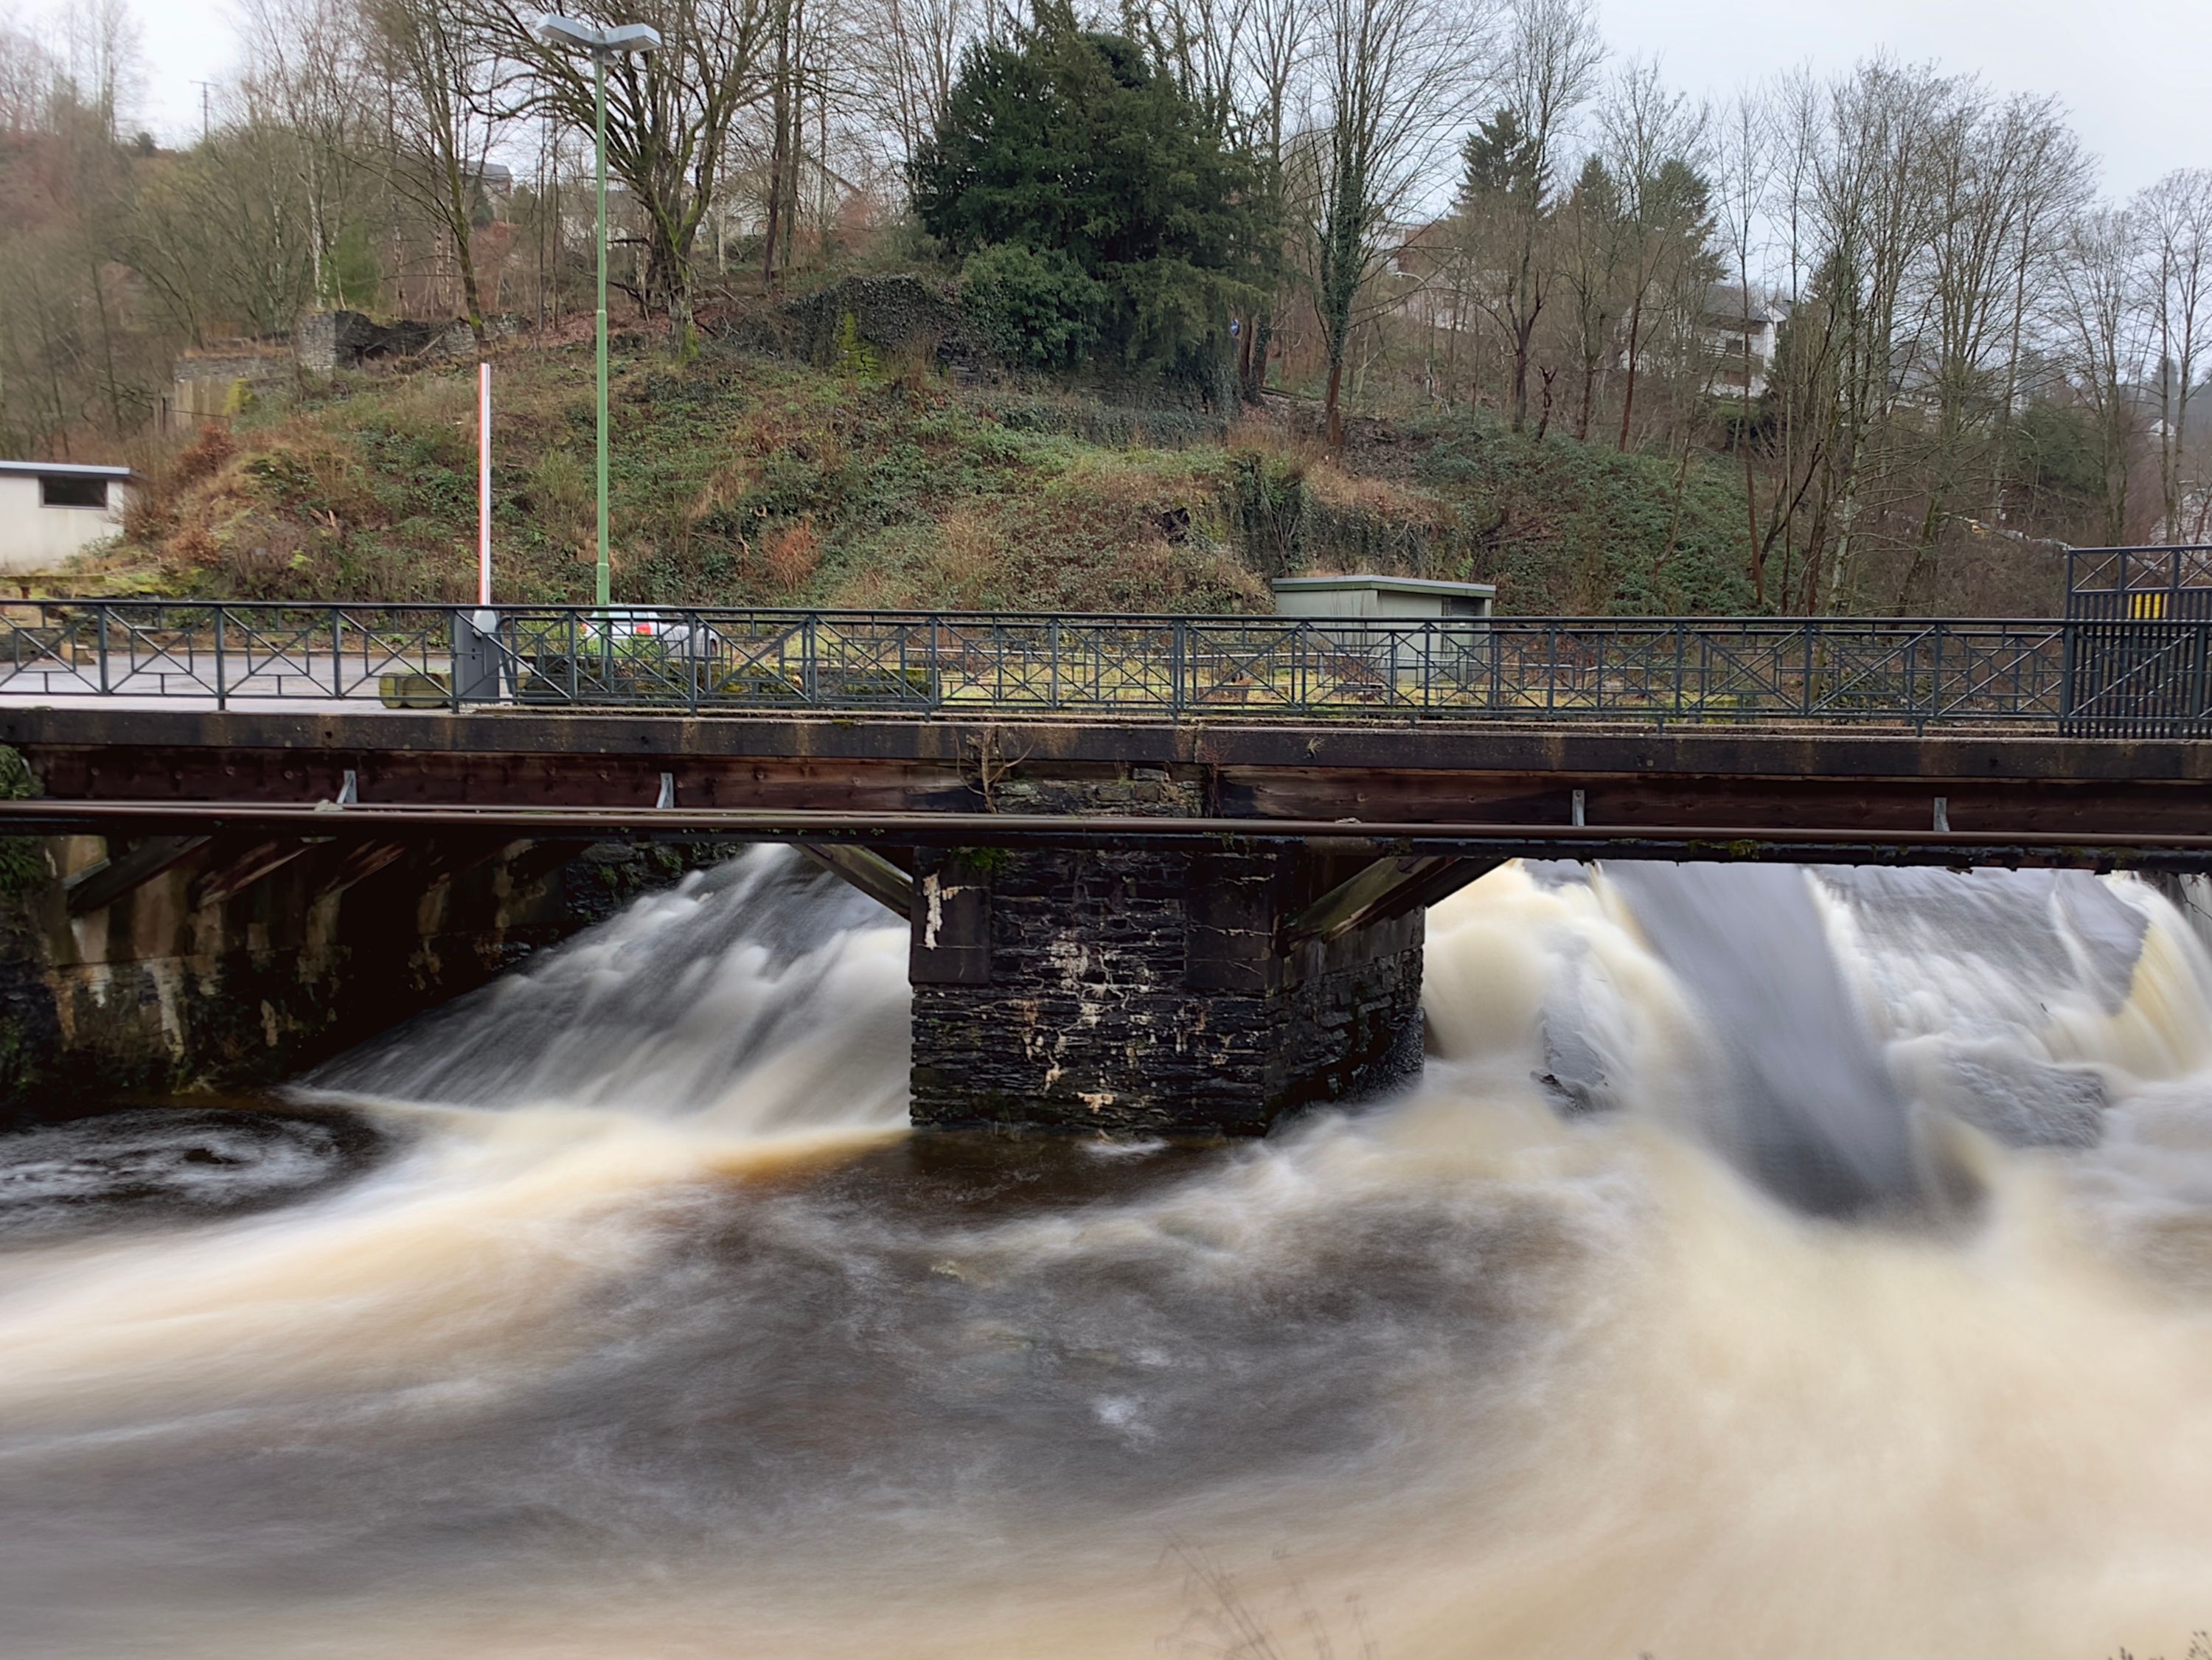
(51,510)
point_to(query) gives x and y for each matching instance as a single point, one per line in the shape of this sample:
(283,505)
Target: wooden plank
(357,862)
(239,870)
(98,887)
(1385,889)
(868,871)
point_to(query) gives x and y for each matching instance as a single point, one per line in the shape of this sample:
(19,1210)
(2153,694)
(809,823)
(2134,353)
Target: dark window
(62,491)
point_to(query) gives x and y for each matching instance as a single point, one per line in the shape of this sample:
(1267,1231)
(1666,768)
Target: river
(1768,1262)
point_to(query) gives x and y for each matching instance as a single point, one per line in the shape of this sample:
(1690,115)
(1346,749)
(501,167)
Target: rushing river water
(1769,1263)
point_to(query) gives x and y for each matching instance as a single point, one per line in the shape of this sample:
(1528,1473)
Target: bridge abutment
(159,964)
(1133,990)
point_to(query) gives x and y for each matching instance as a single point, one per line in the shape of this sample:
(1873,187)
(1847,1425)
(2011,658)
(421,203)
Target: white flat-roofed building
(50,511)
(1382,598)
(1399,630)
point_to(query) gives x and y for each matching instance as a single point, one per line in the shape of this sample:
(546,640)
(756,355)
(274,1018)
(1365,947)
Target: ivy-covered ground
(741,479)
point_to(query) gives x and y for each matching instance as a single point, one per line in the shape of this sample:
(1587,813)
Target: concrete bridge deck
(1574,790)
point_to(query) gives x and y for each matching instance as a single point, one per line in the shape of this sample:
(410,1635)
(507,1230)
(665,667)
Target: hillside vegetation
(742,479)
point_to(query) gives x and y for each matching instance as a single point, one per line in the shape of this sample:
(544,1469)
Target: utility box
(477,657)
(1405,635)
(1384,598)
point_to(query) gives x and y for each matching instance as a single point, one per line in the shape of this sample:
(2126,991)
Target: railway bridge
(1158,873)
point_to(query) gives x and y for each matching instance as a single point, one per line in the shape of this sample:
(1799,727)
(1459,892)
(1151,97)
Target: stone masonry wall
(1134,991)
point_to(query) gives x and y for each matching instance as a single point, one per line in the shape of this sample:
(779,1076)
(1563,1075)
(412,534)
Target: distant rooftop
(61,470)
(1384,584)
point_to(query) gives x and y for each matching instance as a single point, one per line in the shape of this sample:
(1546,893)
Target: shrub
(1037,309)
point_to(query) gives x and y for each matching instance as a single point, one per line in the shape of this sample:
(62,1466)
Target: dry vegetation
(749,480)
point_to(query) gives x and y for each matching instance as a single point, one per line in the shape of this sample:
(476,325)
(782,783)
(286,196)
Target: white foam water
(1808,1263)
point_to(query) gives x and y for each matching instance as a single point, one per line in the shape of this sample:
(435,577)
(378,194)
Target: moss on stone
(23,867)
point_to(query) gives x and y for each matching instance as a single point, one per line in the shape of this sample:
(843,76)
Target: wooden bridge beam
(1381,890)
(98,887)
(866,870)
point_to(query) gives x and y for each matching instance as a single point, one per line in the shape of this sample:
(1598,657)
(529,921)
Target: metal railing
(2145,583)
(1703,670)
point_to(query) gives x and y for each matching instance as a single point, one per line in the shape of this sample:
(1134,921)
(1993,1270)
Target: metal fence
(1701,670)
(2128,672)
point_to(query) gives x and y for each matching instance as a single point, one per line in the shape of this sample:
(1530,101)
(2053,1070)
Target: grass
(740,480)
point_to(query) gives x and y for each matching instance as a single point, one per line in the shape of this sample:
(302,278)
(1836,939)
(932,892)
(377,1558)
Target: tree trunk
(1628,383)
(779,115)
(1519,390)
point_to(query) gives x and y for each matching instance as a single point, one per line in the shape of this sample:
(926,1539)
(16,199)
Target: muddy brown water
(614,1312)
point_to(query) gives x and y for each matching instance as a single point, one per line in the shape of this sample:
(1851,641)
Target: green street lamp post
(603,45)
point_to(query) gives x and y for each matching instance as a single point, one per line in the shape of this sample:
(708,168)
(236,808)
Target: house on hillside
(1731,321)
(495,185)
(51,510)
(1422,263)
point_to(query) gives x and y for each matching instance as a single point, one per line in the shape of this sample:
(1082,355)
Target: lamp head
(602,44)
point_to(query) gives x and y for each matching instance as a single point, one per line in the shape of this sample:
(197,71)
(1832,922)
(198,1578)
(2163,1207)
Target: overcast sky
(2135,74)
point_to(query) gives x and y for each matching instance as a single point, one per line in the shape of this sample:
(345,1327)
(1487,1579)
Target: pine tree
(1072,145)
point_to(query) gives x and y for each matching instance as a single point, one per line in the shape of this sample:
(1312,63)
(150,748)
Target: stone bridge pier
(1141,991)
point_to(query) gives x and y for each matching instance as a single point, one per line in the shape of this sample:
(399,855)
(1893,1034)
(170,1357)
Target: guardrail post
(222,692)
(1934,680)
(695,625)
(2191,724)
(100,616)
(337,653)
(1176,648)
(810,669)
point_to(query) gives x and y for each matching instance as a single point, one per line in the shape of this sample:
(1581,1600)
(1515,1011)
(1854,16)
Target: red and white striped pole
(484,483)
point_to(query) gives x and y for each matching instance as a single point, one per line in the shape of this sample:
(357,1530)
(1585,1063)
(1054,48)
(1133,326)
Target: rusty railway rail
(1749,842)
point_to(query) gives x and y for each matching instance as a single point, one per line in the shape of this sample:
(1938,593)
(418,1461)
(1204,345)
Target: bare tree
(2058,182)
(446,78)
(1551,60)
(907,54)
(2176,217)
(306,72)
(1279,38)
(1747,158)
(1870,206)
(1654,141)
(2099,314)
(1394,80)
(672,116)
(1983,179)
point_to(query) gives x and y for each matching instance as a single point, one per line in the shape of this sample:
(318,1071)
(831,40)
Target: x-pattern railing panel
(2156,675)
(2009,672)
